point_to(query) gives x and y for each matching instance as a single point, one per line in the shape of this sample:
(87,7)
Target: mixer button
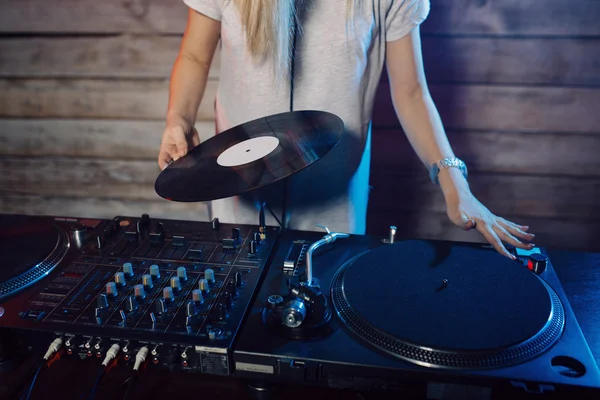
(238,279)
(215,224)
(111,289)
(175,284)
(197,296)
(120,279)
(209,275)
(139,291)
(182,274)
(161,307)
(128,269)
(154,271)
(147,281)
(101,301)
(203,285)
(168,295)
(130,304)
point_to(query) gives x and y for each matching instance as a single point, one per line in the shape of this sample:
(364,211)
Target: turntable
(417,316)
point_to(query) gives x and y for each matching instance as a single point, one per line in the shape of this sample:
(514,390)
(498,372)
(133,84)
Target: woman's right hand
(178,138)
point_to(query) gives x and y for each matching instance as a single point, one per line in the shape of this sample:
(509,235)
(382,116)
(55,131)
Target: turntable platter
(447,305)
(29,248)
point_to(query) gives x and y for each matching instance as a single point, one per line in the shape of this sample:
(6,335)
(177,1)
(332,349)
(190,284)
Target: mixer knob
(274,300)
(168,294)
(235,233)
(175,284)
(144,222)
(252,247)
(111,289)
(212,334)
(130,304)
(101,301)
(120,279)
(128,269)
(139,292)
(294,313)
(227,300)
(209,275)
(257,237)
(182,274)
(215,225)
(197,296)
(232,289)
(154,271)
(161,306)
(238,279)
(147,281)
(203,285)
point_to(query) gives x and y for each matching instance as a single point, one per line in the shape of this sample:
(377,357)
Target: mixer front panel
(173,283)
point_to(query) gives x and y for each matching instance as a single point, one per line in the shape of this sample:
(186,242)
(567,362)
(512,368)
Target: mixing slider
(101,301)
(197,296)
(139,292)
(238,279)
(161,307)
(147,281)
(130,304)
(190,312)
(392,234)
(252,247)
(209,275)
(120,279)
(182,274)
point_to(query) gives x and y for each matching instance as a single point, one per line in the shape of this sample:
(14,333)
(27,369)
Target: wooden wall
(83,93)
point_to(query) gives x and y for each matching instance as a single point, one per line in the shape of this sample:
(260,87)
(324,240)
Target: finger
(195,138)
(178,136)
(466,222)
(494,240)
(164,158)
(504,235)
(519,233)
(507,222)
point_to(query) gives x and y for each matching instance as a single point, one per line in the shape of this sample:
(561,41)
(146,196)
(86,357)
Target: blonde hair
(269,29)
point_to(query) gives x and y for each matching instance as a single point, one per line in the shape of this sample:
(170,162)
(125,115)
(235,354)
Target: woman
(282,55)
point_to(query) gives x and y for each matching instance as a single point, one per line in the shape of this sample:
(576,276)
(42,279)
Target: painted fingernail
(531,245)
(531,235)
(512,257)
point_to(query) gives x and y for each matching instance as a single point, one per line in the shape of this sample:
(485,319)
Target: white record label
(247,151)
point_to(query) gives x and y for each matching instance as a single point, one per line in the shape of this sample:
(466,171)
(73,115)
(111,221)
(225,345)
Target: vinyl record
(250,156)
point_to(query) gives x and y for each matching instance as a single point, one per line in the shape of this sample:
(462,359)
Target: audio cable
(52,350)
(140,358)
(111,355)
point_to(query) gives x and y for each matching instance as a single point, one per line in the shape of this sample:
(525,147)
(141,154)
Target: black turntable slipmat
(25,242)
(395,297)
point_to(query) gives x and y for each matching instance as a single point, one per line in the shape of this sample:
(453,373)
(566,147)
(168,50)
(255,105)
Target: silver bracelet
(449,162)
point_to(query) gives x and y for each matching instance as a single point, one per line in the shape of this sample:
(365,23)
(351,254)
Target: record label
(248,151)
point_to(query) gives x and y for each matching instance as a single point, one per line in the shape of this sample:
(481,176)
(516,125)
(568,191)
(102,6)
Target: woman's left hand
(466,212)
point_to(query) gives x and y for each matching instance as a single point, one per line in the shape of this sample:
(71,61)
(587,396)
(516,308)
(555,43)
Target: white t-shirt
(337,70)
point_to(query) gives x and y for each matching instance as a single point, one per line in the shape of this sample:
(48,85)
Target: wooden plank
(525,195)
(134,179)
(100,208)
(504,152)
(119,99)
(577,17)
(514,17)
(86,138)
(528,61)
(124,56)
(447,59)
(474,107)
(508,108)
(555,233)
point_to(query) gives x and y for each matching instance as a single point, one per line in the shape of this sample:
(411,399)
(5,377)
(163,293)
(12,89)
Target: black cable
(98,379)
(272,213)
(130,384)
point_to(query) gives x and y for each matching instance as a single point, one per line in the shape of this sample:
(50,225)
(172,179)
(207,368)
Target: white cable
(53,348)
(140,357)
(111,354)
